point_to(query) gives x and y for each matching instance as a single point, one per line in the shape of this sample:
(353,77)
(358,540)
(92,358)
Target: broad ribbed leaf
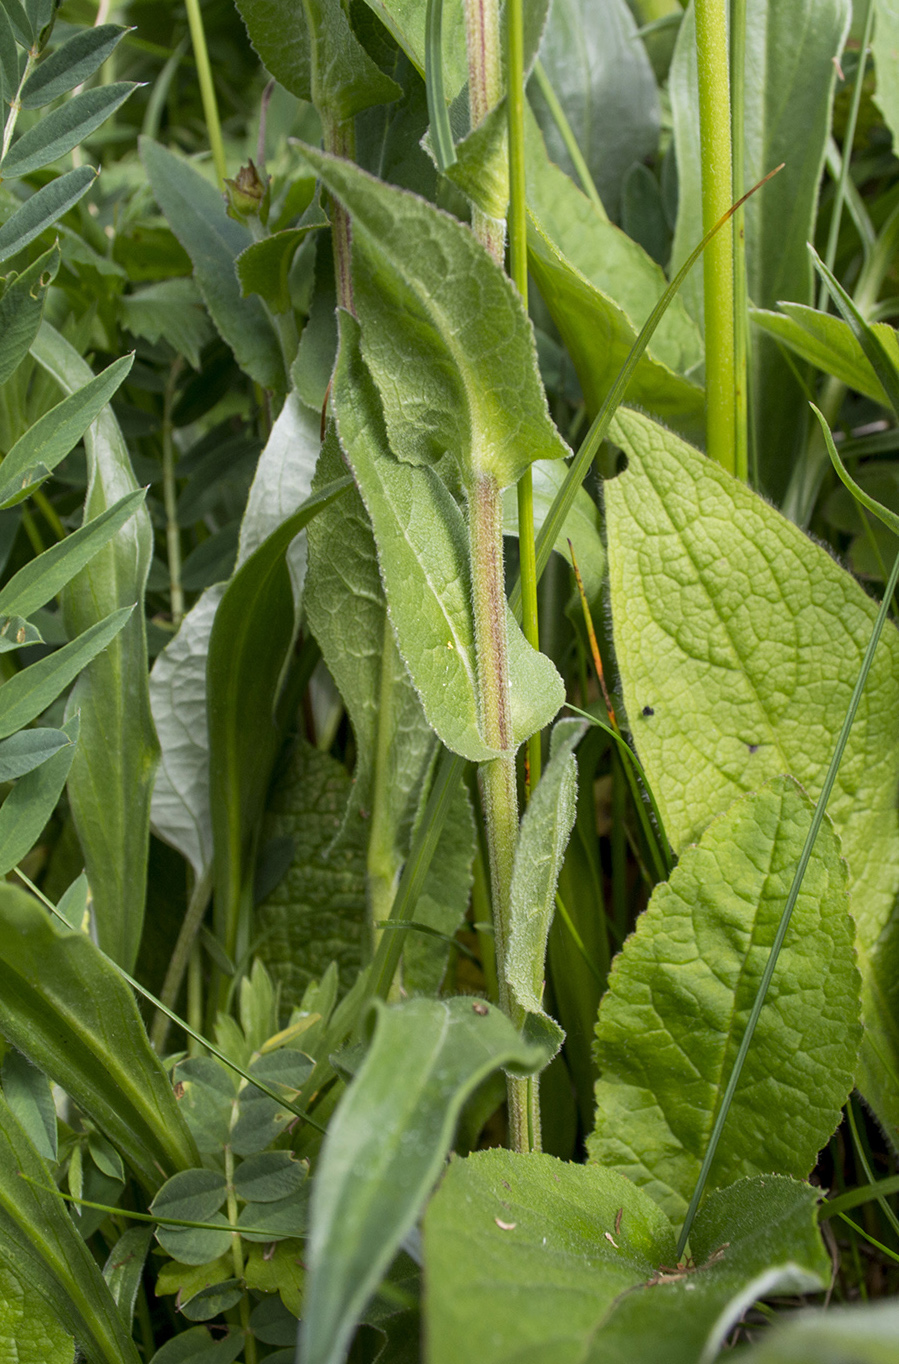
(31,1325)
(58,132)
(71,63)
(49,440)
(30,804)
(738,642)
(21,309)
(69,1011)
(681,990)
(828,343)
(380,1159)
(791,54)
(425,566)
(196,214)
(27,693)
(528,1259)
(38,1236)
(444,334)
(112,776)
(43,209)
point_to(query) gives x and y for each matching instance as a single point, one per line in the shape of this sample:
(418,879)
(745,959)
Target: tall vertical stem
(207,87)
(340,140)
(485,88)
(718,258)
(741,293)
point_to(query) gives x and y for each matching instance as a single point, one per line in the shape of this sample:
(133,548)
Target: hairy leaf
(43,209)
(71,63)
(58,132)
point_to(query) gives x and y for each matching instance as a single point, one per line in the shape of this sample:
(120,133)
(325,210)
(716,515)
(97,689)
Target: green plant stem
(485,88)
(49,513)
(381,862)
(250,1354)
(190,927)
(833,234)
(884,1206)
(718,261)
(340,140)
(741,293)
(170,496)
(856,1197)
(207,88)
(764,983)
(15,104)
(568,137)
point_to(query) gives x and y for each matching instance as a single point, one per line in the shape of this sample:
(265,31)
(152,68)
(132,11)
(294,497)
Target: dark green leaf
(22,752)
(9,58)
(196,214)
(30,804)
(212,1300)
(380,1160)
(172,309)
(193,1196)
(70,64)
(269,1176)
(27,1091)
(43,209)
(20,21)
(68,1010)
(263,267)
(196,1346)
(124,1268)
(21,309)
(58,132)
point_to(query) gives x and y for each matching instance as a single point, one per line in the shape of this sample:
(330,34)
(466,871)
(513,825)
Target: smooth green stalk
(764,983)
(833,234)
(568,137)
(441,131)
(882,1188)
(518,261)
(718,261)
(884,1206)
(741,293)
(171,986)
(170,496)
(207,89)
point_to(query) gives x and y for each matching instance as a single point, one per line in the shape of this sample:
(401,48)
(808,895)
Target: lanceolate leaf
(112,775)
(30,804)
(70,64)
(444,334)
(731,676)
(22,752)
(43,209)
(66,1008)
(39,1237)
(21,309)
(828,343)
(58,132)
(527,1259)
(196,214)
(681,990)
(425,566)
(381,1159)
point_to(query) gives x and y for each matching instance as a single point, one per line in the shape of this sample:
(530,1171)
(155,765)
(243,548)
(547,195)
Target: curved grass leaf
(43,577)
(43,209)
(28,807)
(380,1160)
(71,63)
(251,637)
(27,693)
(66,127)
(69,1012)
(196,214)
(828,343)
(21,309)
(748,676)
(425,565)
(49,440)
(38,1236)
(527,1258)
(444,334)
(112,776)
(681,991)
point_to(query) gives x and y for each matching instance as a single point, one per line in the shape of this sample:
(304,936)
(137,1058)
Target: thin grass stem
(207,88)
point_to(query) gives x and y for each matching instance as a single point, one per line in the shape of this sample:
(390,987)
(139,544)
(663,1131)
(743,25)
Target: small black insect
(648,710)
(753,748)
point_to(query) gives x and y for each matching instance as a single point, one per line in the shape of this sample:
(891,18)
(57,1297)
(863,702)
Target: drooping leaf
(681,990)
(790,56)
(38,1236)
(828,343)
(251,636)
(380,1161)
(444,334)
(180,810)
(111,780)
(21,309)
(528,1258)
(29,1324)
(72,62)
(425,566)
(282,482)
(322,61)
(58,132)
(196,214)
(43,209)
(731,675)
(70,1013)
(30,804)
(539,852)
(38,451)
